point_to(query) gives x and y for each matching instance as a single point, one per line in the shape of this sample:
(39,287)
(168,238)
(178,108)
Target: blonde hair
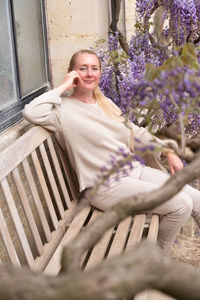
(76,54)
(107,105)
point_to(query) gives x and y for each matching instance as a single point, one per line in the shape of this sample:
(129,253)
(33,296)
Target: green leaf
(172,63)
(151,72)
(189,56)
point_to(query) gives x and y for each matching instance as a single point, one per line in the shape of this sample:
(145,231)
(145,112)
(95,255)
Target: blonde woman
(90,128)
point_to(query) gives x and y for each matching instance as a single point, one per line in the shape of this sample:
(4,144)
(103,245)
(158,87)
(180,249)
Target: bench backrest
(34,198)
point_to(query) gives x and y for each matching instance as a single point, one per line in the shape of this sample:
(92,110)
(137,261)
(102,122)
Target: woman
(90,127)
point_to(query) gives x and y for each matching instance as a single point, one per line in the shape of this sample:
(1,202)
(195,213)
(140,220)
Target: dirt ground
(186,247)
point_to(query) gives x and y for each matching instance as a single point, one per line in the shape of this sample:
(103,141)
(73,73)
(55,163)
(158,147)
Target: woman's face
(89,71)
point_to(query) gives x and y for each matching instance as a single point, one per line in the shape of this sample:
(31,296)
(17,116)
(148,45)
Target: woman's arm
(68,83)
(147,138)
(144,137)
(42,110)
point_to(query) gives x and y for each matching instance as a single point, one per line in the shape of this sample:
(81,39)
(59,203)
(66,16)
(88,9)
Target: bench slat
(137,230)
(41,262)
(73,229)
(94,214)
(120,237)
(52,180)
(12,156)
(59,172)
(99,250)
(153,229)
(37,201)
(44,189)
(69,174)
(27,210)
(116,246)
(8,242)
(17,222)
(76,225)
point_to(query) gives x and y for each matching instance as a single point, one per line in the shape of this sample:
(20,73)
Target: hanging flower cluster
(144,7)
(182,17)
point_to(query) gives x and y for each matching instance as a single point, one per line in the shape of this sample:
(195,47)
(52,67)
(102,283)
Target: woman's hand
(70,81)
(174,162)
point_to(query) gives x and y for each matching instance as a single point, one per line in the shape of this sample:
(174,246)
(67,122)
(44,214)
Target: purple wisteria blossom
(113,41)
(106,82)
(143,7)
(193,125)
(169,94)
(140,46)
(121,163)
(184,16)
(197,6)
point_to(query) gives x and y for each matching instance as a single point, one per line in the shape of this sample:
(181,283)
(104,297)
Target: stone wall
(129,18)
(74,25)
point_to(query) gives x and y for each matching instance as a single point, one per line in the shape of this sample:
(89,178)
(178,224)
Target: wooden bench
(36,195)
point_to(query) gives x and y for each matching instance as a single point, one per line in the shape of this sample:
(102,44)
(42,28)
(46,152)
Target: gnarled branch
(117,278)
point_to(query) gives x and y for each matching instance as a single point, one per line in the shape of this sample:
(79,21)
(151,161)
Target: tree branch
(117,278)
(123,42)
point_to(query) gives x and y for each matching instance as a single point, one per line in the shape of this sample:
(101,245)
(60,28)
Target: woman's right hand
(69,82)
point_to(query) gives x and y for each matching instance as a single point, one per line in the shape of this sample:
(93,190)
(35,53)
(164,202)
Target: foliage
(157,82)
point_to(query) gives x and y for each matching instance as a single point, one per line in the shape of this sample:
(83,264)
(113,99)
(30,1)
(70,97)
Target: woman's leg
(195,195)
(159,177)
(174,213)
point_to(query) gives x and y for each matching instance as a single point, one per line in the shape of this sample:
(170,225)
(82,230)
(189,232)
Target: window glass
(7,78)
(30,45)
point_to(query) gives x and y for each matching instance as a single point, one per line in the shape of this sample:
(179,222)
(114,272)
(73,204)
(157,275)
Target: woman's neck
(86,97)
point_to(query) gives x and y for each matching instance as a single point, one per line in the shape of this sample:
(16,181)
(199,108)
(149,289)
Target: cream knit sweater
(85,131)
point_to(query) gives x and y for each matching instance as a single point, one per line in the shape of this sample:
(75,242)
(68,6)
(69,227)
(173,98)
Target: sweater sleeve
(144,137)
(42,110)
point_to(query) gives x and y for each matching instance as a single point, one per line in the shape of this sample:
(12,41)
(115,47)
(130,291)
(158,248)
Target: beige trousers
(174,213)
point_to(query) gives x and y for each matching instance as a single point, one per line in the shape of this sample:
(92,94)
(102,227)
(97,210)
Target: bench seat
(116,240)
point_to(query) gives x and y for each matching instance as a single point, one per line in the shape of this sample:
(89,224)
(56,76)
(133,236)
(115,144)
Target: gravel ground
(186,247)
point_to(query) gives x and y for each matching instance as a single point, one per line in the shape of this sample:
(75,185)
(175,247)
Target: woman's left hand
(174,162)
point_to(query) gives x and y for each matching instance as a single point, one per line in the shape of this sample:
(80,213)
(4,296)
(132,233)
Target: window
(23,56)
